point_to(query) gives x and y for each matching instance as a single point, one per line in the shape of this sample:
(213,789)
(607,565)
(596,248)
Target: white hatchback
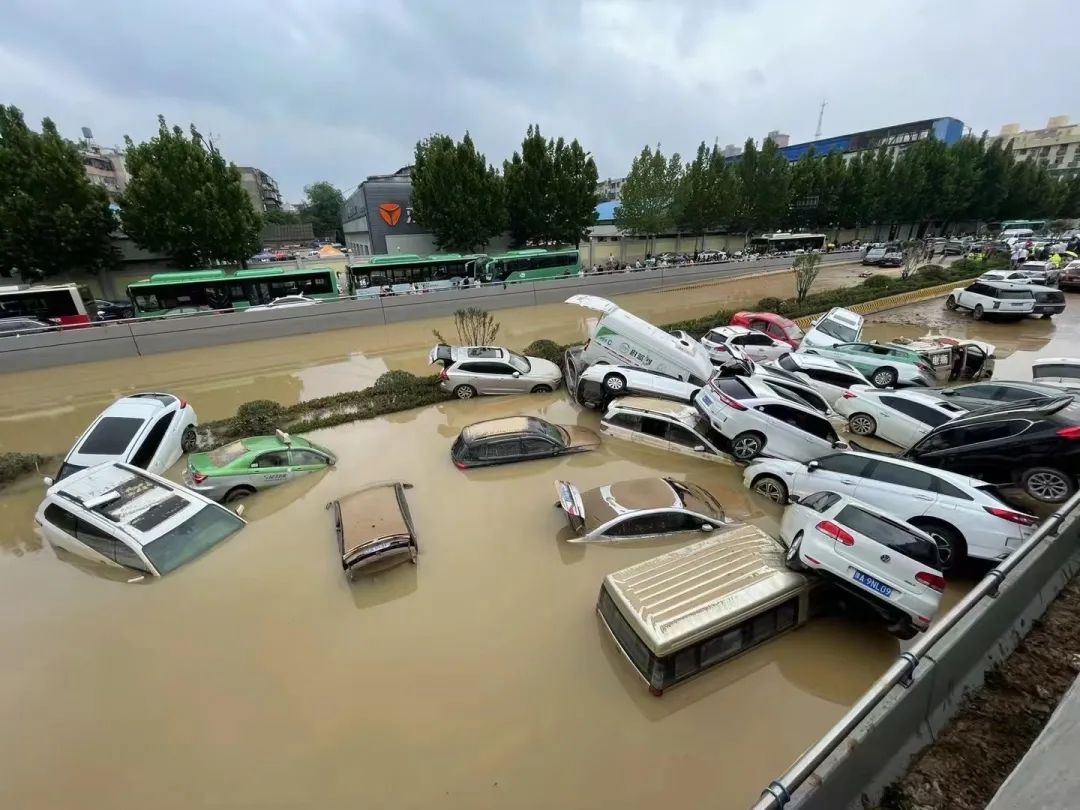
(750,343)
(755,420)
(150,431)
(902,417)
(890,564)
(963,515)
(830,378)
(836,326)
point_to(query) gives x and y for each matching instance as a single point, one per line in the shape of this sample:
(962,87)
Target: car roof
(807,360)
(765,316)
(371,514)
(1023,410)
(259,444)
(459,353)
(730,331)
(891,517)
(912,394)
(664,407)
(508,425)
(624,497)
(140,505)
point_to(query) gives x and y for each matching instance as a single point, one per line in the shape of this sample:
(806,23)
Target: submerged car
(518,438)
(775,326)
(884,366)
(1060,371)
(599,384)
(838,325)
(665,425)
(638,510)
(374,529)
(888,563)
(243,467)
(958,358)
(471,370)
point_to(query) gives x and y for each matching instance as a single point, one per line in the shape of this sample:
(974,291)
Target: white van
(623,339)
(836,326)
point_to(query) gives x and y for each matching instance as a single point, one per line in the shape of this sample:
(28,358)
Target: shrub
(546,349)
(397,381)
(877,281)
(258,418)
(14,465)
(933,272)
(770,305)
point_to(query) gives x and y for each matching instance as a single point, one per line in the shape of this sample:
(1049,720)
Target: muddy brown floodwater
(257,677)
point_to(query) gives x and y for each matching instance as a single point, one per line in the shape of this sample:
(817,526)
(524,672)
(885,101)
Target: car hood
(538,367)
(579,437)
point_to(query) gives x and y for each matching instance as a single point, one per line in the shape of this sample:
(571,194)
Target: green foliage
(259,417)
(707,192)
(807,268)
(546,350)
(52,218)
(323,210)
(475,327)
(283,217)
(877,280)
(184,199)
(16,465)
(647,204)
(770,304)
(550,191)
(456,194)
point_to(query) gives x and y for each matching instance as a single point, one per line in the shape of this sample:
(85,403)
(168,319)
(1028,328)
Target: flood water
(257,677)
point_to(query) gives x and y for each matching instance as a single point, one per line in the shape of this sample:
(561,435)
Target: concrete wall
(881,747)
(111,340)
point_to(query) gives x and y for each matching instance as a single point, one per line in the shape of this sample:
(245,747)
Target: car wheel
(977,313)
(614,382)
(862,424)
(950,302)
(1047,484)
(238,494)
(903,629)
(770,487)
(747,445)
(188,439)
(952,549)
(464,392)
(791,556)
(541,389)
(1048,315)
(884,378)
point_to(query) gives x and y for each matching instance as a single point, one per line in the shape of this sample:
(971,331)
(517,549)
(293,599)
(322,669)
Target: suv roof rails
(1042,406)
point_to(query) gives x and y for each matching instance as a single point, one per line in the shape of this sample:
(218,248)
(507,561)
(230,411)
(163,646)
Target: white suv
(830,378)
(890,564)
(150,431)
(901,417)
(756,420)
(963,515)
(992,298)
(664,425)
(122,516)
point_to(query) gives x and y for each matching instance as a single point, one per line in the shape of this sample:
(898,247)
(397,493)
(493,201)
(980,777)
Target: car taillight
(198,478)
(931,580)
(1070,432)
(1011,516)
(183,404)
(460,465)
(849,395)
(444,374)
(731,402)
(836,532)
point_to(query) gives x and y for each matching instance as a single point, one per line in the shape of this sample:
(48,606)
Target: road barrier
(910,704)
(892,301)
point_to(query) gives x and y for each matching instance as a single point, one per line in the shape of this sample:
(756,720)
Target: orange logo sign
(390,213)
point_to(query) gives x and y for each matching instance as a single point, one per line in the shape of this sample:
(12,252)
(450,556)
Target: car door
(759,346)
(654,433)
(792,433)
(152,455)
(836,472)
(970,295)
(499,450)
(538,447)
(906,491)
(305,461)
(685,441)
(270,469)
(503,378)
(900,420)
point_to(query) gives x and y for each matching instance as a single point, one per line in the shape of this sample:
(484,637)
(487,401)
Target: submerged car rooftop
(502,427)
(612,500)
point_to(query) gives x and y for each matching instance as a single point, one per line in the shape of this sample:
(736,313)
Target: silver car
(471,370)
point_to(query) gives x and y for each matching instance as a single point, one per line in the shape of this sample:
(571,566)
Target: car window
(501,448)
(834,329)
(820,501)
(680,435)
(126,556)
(943,487)
(801,393)
(890,533)
(1009,394)
(760,325)
(305,458)
(981,391)
(716,337)
(275,458)
(656,523)
(651,426)
(901,476)
(836,378)
(844,464)
(916,410)
(759,340)
(111,436)
(149,447)
(90,535)
(733,387)
(519,363)
(787,362)
(992,431)
(469,368)
(807,422)
(630,421)
(1055,370)
(535,446)
(60,518)
(226,455)
(203,530)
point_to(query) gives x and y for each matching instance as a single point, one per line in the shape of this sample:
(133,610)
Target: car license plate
(871,583)
(707,399)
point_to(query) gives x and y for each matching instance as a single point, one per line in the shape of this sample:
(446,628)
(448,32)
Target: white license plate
(871,583)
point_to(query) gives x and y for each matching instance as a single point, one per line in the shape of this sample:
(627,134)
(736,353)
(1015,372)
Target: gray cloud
(339,89)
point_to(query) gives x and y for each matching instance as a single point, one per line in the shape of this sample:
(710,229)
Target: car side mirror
(48,481)
(812,465)
(254,464)
(699,448)
(794,499)
(706,527)
(517,374)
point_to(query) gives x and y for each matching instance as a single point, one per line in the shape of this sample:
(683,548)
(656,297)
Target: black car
(995,393)
(13,327)
(517,438)
(1048,302)
(1033,446)
(114,310)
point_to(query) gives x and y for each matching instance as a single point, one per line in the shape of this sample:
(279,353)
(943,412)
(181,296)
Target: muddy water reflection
(479,678)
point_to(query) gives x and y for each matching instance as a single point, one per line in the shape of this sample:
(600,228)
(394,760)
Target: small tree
(914,255)
(807,267)
(475,327)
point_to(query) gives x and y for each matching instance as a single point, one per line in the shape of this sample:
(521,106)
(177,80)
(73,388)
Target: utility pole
(820,117)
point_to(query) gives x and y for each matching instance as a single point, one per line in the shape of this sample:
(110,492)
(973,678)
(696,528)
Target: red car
(776,326)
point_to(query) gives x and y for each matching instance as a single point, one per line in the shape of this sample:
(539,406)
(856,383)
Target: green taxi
(243,467)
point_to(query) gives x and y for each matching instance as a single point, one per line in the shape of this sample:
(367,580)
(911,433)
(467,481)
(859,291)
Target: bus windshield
(206,290)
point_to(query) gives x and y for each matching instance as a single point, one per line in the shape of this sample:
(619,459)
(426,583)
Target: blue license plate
(871,583)
(707,399)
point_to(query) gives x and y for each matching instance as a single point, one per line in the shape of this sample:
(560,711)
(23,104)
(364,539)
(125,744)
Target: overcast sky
(340,89)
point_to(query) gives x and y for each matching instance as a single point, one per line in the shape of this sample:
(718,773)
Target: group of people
(1027,251)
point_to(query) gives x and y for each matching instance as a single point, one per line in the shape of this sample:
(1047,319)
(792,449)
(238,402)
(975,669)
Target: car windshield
(1055,370)
(697,499)
(835,329)
(111,436)
(551,431)
(202,531)
(518,362)
(226,455)
(67,469)
(787,362)
(792,330)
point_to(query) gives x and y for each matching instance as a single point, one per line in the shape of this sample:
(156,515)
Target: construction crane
(820,117)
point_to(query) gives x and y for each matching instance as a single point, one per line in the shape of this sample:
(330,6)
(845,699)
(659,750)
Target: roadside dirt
(999,722)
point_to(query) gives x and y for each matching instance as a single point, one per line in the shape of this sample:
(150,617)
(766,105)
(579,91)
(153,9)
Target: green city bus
(205,290)
(405,272)
(535,264)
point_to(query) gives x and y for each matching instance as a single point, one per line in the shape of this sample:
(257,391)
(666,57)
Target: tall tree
(700,198)
(456,194)
(322,209)
(766,186)
(52,218)
(1069,201)
(575,197)
(648,197)
(993,187)
(854,193)
(185,199)
(807,187)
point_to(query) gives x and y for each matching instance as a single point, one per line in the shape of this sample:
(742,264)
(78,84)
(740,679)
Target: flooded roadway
(257,677)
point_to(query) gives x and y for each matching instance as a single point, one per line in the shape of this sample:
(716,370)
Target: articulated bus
(787,242)
(63,304)
(204,290)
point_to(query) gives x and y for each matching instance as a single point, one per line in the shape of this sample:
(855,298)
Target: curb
(892,301)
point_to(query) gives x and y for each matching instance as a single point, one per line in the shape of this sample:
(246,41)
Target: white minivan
(836,326)
(623,339)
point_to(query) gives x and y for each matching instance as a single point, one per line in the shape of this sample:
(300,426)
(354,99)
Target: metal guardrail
(779,792)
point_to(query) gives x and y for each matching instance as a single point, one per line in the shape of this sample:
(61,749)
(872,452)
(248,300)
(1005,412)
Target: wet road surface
(258,677)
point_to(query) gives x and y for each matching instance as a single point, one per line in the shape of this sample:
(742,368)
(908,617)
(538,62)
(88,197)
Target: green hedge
(16,465)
